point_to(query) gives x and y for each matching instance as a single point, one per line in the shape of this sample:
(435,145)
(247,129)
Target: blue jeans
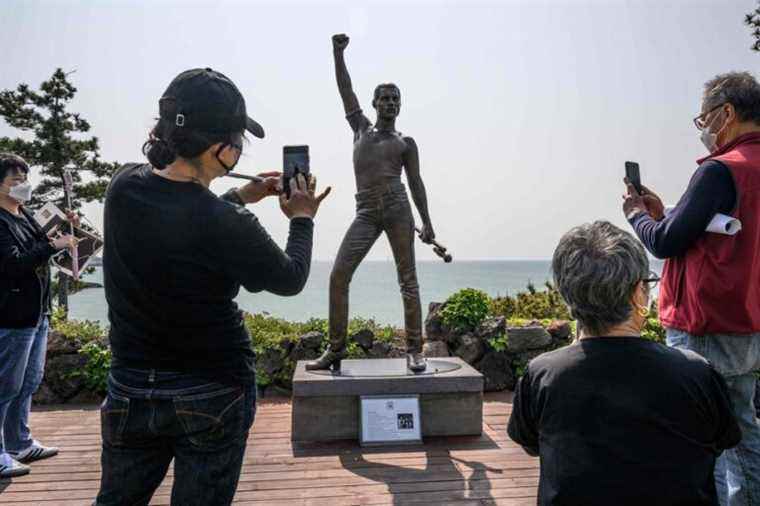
(22,366)
(737,471)
(151,417)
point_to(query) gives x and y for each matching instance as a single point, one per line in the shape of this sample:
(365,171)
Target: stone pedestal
(326,405)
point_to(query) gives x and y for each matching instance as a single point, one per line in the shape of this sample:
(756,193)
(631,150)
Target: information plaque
(390,420)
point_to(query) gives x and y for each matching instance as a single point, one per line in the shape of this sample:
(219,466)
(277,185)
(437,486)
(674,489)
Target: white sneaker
(10,468)
(34,452)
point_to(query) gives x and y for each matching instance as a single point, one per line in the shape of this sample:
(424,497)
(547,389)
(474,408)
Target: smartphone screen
(633,175)
(295,159)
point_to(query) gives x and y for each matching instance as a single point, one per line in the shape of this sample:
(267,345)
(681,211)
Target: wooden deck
(486,470)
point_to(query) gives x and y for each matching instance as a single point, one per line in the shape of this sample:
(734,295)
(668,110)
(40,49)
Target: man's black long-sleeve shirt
(175,257)
(711,191)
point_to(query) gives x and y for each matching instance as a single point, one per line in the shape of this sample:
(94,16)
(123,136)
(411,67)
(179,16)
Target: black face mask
(224,165)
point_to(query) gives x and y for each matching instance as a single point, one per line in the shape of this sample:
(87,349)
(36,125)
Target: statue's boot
(416,361)
(330,359)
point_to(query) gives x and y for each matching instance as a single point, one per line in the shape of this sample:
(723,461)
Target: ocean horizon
(374,291)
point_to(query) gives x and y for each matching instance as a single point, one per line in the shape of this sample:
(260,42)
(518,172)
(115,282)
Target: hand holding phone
(634,176)
(295,161)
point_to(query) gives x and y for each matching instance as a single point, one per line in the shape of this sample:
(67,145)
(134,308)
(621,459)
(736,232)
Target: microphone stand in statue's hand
(438,249)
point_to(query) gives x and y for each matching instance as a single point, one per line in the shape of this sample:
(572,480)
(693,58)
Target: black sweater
(24,273)
(175,257)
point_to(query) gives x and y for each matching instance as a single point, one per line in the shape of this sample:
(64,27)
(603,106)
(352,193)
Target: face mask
(226,167)
(21,192)
(708,138)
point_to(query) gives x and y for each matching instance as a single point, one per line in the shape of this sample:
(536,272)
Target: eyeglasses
(700,122)
(653,279)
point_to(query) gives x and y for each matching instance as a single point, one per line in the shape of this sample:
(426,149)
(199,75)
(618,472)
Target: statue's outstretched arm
(350,103)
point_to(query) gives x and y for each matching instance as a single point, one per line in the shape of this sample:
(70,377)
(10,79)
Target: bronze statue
(380,154)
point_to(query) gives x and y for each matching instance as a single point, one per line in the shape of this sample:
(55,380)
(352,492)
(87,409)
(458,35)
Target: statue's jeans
(379,210)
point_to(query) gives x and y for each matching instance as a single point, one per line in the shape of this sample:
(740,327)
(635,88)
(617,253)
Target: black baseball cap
(207,101)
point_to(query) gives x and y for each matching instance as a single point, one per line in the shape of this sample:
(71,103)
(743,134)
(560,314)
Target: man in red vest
(710,295)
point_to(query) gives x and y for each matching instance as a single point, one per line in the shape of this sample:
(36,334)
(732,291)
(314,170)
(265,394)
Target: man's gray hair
(596,268)
(739,89)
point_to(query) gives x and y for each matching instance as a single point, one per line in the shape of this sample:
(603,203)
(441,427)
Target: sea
(374,291)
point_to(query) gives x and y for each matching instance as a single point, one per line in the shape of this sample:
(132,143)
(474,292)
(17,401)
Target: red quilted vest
(714,288)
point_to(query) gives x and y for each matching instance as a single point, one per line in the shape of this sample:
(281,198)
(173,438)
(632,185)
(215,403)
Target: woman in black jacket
(25,252)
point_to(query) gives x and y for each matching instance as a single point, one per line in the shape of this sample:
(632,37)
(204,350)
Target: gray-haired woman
(615,418)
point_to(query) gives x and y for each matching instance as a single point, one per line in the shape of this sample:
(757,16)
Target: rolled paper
(720,224)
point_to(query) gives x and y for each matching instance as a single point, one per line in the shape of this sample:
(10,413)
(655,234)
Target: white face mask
(21,192)
(708,138)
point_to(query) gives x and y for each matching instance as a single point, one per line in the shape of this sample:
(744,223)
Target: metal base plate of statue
(327,405)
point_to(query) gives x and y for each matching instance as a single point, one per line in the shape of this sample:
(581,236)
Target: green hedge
(466,308)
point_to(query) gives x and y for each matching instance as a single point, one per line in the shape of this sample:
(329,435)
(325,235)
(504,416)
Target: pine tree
(57,143)
(753,21)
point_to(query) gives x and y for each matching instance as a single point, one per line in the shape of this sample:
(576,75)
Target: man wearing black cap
(182,381)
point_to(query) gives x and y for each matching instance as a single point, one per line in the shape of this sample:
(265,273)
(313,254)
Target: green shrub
(652,329)
(89,338)
(466,309)
(498,343)
(95,372)
(269,332)
(532,304)
(80,331)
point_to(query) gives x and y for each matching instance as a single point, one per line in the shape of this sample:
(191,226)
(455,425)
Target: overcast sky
(523,111)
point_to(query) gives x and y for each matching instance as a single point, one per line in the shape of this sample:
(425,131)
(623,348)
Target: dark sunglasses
(700,122)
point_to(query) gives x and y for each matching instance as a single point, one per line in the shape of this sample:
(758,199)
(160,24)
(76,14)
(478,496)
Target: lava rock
(270,361)
(312,340)
(435,330)
(45,395)
(492,328)
(58,344)
(521,339)
(87,397)
(307,347)
(497,372)
(435,349)
(380,349)
(61,377)
(364,338)
(471,348)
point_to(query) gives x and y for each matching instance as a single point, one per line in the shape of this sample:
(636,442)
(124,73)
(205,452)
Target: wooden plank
(487,470)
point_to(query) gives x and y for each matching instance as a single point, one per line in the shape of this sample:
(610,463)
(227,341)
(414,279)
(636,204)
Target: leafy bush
(268,332)
(532,304)
(80,331)
(95,372)
(498,343)
(89,337)
(652,329)
(466,309)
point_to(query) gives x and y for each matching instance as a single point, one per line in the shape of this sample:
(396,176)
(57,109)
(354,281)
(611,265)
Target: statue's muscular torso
(378,157)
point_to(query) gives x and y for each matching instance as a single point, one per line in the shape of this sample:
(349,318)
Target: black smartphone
(633,175)
(295,160)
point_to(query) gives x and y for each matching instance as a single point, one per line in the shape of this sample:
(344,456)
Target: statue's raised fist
(340,41)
